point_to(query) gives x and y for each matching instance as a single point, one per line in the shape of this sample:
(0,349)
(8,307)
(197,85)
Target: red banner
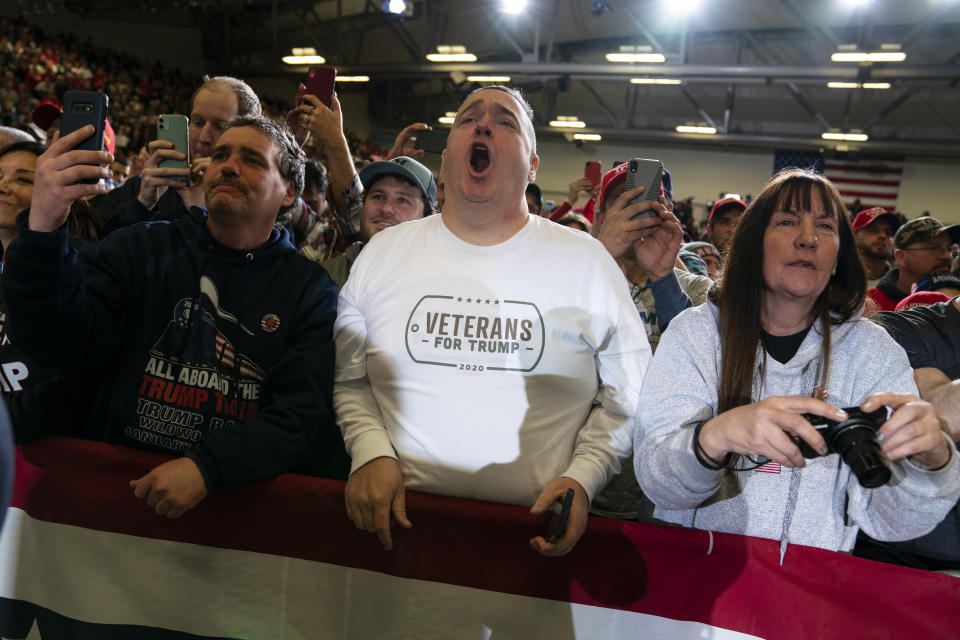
(279,559)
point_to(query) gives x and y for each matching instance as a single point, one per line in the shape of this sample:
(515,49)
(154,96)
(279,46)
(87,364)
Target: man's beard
(873,253)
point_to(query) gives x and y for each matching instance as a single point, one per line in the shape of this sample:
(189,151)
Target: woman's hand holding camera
(913,430)
(766,427)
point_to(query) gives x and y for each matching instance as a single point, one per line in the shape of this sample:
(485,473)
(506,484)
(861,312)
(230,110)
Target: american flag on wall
(874,181)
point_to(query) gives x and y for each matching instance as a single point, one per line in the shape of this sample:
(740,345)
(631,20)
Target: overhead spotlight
(451,53)
(394,7)
(448,118)
(303,55)
(353,78)
(488,78)
(683,7)
(695,129)
(598,7)
(635,54)
(513,7)
(856,4)
(591,137)
(848,137)
(568,122)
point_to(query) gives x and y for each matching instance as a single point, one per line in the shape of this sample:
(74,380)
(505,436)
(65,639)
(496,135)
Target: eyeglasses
(952,249)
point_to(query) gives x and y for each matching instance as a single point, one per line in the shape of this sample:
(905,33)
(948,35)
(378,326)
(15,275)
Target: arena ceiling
(754,70)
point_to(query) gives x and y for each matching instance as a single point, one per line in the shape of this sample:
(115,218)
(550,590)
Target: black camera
(855,439)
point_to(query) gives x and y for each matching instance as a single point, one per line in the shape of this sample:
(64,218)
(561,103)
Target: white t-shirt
(479,367)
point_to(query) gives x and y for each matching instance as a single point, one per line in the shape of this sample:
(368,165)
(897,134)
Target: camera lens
(856,442)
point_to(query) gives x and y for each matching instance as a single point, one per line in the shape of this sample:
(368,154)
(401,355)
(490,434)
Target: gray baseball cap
(406,168)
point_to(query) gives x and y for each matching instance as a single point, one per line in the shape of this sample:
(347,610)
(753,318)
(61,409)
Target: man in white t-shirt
(486,353)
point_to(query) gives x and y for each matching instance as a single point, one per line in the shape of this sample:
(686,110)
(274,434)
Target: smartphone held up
(644,172)
(175,128)
(320,83)
(81,108)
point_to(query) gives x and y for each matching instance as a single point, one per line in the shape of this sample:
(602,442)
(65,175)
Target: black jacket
(222,355)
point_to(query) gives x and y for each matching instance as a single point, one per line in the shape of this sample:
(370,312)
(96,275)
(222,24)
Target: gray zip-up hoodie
(821,504)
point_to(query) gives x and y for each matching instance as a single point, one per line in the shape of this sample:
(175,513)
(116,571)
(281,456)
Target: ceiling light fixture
(303,55)
(636,54)
(353,78)
(889,52)
(655,81)
(448,118)
(488,78)
(849,137)
(593,137)
(695,129)
(857,85)
(451,53)
(567,122)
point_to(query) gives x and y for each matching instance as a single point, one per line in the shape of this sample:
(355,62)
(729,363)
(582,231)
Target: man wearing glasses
(921,247)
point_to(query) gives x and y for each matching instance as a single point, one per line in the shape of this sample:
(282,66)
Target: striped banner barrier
(81,558)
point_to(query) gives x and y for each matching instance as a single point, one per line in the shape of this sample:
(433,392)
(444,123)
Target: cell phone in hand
(561,513)
(644,172)
(320,83)
(431,141)
(175,128)
(81,108)
(591,170)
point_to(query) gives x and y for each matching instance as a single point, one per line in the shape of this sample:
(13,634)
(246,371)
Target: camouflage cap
(923,229)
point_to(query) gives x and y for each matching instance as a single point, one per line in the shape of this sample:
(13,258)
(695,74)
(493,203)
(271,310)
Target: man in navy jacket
(216,337)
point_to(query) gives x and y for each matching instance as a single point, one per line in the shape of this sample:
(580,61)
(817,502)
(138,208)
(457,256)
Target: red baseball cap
(922,299)
(723,202)
(613,178)
(868,216)
(46,112)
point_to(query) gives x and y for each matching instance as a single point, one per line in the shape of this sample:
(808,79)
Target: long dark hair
(738,293)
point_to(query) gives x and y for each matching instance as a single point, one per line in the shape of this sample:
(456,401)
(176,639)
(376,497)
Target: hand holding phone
(65,173)
(570,499)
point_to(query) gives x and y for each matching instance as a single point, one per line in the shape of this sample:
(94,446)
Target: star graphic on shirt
(496,302)
(488,300)
(459,299)
(469,299)
(479,301)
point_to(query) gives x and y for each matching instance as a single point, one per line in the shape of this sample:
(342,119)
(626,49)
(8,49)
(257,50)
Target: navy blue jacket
(222,355)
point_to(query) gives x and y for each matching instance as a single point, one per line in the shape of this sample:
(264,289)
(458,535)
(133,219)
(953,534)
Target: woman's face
(16,185)
(799,253)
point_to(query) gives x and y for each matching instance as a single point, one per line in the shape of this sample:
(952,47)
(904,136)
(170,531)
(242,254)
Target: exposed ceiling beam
(920,148)
(769,74)
(887,110)
(696,105)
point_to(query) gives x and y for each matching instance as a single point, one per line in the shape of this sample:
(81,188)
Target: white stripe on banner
(158,583)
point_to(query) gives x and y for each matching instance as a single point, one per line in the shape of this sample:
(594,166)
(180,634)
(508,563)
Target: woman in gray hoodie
(722,405)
